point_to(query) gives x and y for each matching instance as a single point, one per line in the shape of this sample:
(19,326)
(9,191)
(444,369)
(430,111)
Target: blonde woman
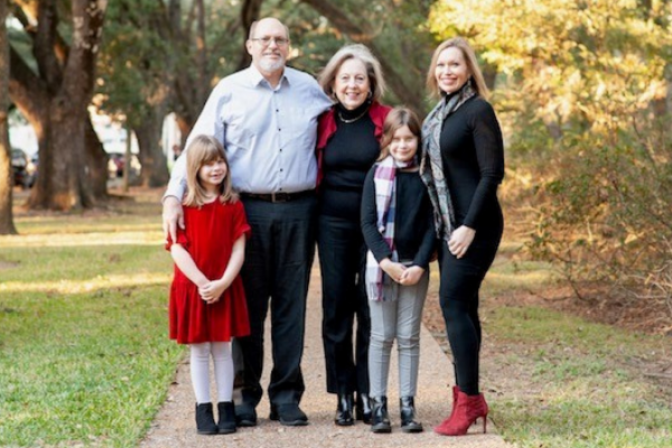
(463,165)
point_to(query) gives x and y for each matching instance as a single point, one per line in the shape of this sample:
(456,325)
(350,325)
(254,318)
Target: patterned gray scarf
(431,165)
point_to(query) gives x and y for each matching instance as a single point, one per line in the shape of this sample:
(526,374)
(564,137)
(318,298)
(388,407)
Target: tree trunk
(184,125)
(154,171)
(6,175)
(56,105)
(249,13)
(96,161)
(64,185)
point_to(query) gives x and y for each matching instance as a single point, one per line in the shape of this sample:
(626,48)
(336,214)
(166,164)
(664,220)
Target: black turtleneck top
(473,162)
(348,156)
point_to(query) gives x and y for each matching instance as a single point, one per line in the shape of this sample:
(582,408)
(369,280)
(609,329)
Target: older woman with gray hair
(348,145)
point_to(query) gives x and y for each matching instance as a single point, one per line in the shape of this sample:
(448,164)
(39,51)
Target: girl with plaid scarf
(398,229)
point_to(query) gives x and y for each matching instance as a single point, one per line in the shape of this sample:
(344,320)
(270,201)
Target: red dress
(209,234)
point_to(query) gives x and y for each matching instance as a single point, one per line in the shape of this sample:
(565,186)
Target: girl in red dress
(207,301)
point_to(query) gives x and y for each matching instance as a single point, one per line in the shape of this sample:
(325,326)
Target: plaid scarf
(384,182)
(431,166)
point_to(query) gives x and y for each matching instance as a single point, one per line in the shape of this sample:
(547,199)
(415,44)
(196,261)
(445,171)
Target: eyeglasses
(266,40)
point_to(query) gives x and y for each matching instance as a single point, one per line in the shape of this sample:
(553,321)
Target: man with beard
(266,118)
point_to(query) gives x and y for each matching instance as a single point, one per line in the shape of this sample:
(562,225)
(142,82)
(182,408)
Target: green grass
(581,384)
(84,353)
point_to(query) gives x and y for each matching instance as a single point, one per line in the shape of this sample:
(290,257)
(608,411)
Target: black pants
(342,254)
(460,284)
(278,259)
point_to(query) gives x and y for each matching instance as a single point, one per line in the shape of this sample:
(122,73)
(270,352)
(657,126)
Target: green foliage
(581,92)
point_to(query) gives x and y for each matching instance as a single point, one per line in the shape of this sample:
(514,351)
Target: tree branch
(26,90)
(45,38)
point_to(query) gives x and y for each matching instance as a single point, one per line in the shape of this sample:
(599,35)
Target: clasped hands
(211,290)
(404,275)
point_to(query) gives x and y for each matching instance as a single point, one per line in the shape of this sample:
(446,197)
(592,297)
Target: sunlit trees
(584,88)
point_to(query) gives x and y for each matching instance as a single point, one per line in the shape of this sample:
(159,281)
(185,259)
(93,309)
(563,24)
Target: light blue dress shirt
(269,134)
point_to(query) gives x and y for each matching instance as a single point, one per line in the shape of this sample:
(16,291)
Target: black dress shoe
(344,411)
(246,415)
(407,411)
(363,408)
(288,414)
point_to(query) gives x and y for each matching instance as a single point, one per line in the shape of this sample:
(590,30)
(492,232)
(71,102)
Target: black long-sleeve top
(349,154)
(414,236)
(473,162)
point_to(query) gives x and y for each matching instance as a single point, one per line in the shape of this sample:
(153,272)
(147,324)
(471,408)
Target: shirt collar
(257,78)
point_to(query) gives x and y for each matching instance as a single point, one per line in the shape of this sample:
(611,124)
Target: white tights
(200,370)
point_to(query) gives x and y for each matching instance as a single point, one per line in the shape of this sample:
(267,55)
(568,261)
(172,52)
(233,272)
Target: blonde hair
(360,52)
(469,58)
(398,118)
(202,150)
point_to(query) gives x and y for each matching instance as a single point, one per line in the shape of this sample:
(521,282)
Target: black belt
(278,197)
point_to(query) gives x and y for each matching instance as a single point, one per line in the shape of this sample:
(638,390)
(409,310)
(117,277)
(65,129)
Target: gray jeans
(401,319)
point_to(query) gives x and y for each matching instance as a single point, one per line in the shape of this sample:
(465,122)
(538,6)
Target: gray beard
(272,66)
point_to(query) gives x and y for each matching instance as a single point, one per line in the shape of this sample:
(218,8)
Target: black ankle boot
(205,419)
(344,411)
(363,408)
(227,417)
(407,410)
(380,419)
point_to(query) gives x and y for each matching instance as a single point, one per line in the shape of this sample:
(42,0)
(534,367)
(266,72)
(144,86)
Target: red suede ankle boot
(467,409)
(455,389)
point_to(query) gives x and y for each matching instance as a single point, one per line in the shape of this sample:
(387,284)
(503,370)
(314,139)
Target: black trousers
(278,259)
(459,296)
(342,254)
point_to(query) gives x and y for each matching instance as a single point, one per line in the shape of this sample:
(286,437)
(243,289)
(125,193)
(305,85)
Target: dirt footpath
(174,425)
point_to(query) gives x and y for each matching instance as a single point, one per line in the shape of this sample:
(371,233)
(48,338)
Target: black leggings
(460,283)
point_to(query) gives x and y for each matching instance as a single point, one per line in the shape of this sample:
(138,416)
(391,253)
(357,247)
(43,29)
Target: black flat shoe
(344,411)
(246,415)
(288,414)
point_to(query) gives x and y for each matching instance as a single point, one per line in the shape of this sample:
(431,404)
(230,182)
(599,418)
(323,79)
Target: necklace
(352,120)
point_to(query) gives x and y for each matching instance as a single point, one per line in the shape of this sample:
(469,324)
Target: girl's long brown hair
(398,118)
(204,149)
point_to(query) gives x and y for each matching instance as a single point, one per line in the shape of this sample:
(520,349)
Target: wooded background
(583,89)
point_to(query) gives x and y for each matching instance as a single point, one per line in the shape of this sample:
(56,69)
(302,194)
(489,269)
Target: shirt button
(277,110)
(281,170)
(279,129)
(280,149)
